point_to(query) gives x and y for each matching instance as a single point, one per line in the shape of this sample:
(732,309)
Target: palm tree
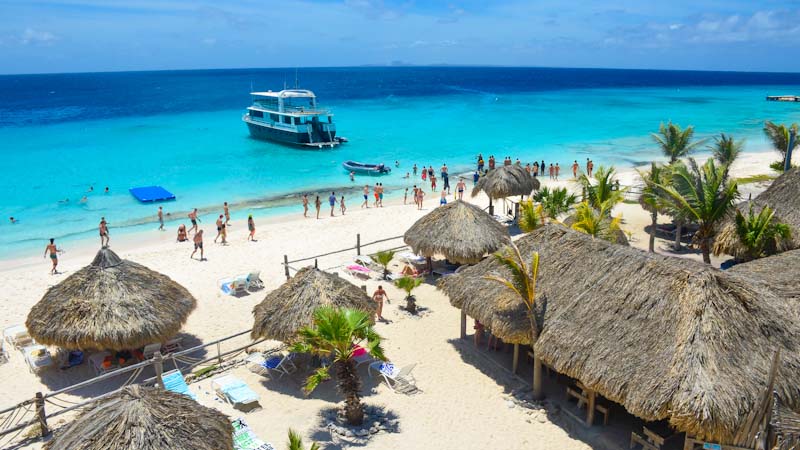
(726,149)
(704,195)
(597,222)
(523,284)
(779,136)
(555,202)
(384,258)
(759,234)
(605,190)
(531,216)
(336,333)
(650,200)
(296,442)
(675,142)
(408,284)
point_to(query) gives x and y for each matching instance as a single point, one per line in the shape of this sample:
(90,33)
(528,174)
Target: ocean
(61,134)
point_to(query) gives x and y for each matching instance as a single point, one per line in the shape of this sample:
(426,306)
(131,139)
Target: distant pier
(783,98)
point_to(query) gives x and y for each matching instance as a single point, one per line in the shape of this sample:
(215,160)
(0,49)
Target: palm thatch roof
(619,235)
(782,196)
(780,273)
(291,306)
(145,418)
(665,337)
(111,304)
(459,231)
(506,181)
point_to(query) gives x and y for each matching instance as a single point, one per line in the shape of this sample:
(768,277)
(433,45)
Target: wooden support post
(219,354)
(358,244)
(463,324)
(286,266)
(592,396)
(158,365)
(537,377)
(491,207)
(316,263)
(41,415)
(688,443)
(515,363)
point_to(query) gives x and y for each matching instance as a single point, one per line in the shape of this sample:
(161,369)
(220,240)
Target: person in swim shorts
(198,244)
(53,251)
(460,188)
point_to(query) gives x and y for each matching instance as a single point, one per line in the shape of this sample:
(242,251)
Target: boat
(292,117)
(369,169)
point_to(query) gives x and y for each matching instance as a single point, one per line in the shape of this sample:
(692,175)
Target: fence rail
(286,262)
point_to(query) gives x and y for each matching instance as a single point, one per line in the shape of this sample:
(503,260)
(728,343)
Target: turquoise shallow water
(206,157)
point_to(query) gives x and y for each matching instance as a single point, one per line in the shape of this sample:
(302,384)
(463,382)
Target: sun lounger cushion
(174,381)
(245,439)
(388,369)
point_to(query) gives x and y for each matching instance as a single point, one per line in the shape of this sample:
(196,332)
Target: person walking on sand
(589,168)
(251,227)
(198,245)
(420,196)
(318,205)
(366,197)
(433,183)
(341,205)
(443,170)
(551,170)
(443,198)
(575,168)
(557,170)
(194,219)
(160,218)
(220,226)
(492,162)
(305,205)
(227,213)
(376,192)
(224,234)
(53,251)
(332,201)
(424,174)
(378,297)
(535,168)
(460,187)
(104,238)
(380,195)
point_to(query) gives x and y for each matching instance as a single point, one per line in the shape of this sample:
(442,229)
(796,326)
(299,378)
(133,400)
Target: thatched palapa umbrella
(667,338)
(111,304)
(779,273)
(505,181)
(461,232)
(145,418)
(291,306)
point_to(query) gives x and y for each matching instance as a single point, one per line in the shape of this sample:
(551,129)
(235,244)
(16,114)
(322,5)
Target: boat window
(274,118)
(287,119)
(267,103)
(254,113)
(297,121)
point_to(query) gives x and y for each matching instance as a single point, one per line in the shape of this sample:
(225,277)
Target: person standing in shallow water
(366,197)
(160,218)
(53,251)
(332,201)
(103,227)
(305,205)
(227,213)
(318,205)
(251,227)
(575,169)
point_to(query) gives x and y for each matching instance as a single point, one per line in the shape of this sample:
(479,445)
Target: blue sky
(111,35)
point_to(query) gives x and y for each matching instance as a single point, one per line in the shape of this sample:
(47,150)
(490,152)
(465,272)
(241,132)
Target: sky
(116,35)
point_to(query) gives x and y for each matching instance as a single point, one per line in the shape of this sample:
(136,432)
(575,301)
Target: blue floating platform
(150,194)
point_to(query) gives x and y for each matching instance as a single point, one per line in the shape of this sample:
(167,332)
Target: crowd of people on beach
(536,169)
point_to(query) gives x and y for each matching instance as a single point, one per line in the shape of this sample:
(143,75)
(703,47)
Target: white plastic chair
(254,280)
(18,336)
(37,357)
(398,379)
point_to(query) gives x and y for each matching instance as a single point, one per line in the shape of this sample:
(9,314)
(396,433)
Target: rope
(133,376)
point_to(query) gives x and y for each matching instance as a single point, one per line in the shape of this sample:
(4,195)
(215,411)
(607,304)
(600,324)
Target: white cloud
(31,36)
(209,41)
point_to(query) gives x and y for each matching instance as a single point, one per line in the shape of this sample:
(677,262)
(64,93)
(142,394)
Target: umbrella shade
(291,306)
(506,181)
(111,304)
(145,418)
(459,231)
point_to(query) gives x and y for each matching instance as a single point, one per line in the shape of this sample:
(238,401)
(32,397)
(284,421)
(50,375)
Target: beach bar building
(666,338)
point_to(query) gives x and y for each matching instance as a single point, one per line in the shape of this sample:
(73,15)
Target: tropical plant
(523,284)
(759,233)
(384,258)
(726,149)
(296,442)
(555,202)
(335,334)
(408,284)
(675,142)
(531,216)
(650,200)
(604,191)
(597,222)
(779,134)
(703,195)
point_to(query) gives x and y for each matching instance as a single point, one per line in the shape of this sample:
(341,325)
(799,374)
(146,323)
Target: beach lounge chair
(236,392)
(262,365)
(254,280)
(37,357)
(102,362)
(358,271)
(3,353)
(361,356)
(411,258)
(234,286)
(245,439)
(174,381)
(398,379)
(18,336)
(172,345)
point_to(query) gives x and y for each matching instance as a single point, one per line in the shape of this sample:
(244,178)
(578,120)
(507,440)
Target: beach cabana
(111,304)
(145,418)
(461,232)
(782,196)
(505,181)
(666,338)
(291,306)
(779,273)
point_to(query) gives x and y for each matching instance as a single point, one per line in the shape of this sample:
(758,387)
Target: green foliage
(675,142)
(597,223)
(530,216)
(755,179)
(759,234)
(649,198)
(408,284)
(522,282)
(778,134)
(384,258)
(555,202)
(604,190)
(296,442)
(726,149)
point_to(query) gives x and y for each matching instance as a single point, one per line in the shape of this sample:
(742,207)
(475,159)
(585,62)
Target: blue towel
(175,382)
(272,363)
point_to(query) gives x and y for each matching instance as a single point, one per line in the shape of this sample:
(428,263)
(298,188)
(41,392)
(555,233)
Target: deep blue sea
(61,134)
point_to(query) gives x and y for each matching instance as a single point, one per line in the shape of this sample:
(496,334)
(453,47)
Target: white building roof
(286,93)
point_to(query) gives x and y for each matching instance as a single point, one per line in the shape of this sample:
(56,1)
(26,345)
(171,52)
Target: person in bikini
(182,234)
(226,212)
(305,205)
(575,169)
(53,251)
(251,226)
(341,205)
(378,297)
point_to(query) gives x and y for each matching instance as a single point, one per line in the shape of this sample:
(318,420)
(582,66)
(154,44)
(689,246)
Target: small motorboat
(340,139)
(369,169)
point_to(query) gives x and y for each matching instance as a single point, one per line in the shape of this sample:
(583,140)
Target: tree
(523,284)
(779,136)
(336,333)
(702,194)
(296,442)
(726,149)
(605,190)
(531,216)
(650,200)
(408,284)
(760,234)
(555,202)
(384,258)
(675,142)
(597,223)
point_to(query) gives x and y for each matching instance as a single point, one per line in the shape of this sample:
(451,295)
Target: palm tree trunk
(705,247)
(538,392)
(652,246)
(678,232)
(349,386)
(491,207)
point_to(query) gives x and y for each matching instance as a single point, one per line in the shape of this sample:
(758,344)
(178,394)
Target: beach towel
(245,439)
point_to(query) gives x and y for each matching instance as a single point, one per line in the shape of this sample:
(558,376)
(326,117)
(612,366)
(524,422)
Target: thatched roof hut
(111,304)
(505,181)
(780,273)
(145,418)
(665,337)
(291,306)
(782,196)
(459,231)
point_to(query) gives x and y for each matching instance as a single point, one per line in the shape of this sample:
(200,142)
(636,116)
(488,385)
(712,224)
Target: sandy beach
(463,403)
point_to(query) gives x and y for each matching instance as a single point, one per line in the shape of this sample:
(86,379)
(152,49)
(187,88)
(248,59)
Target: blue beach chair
(174,381)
